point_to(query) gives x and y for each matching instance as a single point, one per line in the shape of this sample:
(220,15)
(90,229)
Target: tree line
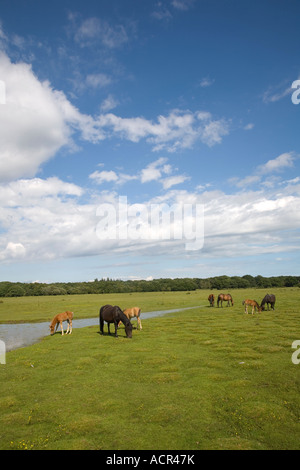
(109,286)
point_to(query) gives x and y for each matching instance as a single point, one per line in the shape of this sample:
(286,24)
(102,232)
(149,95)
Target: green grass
(207,378)
(38,309)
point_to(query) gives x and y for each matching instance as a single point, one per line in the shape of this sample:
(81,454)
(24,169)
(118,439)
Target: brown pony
(113,314)
(253,304)
(58,319)
(131,313)
(227,297)
(211,299)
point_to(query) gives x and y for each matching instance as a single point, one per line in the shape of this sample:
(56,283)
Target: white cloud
(280,163)
(37,121)
(178,130)
(47,219)
(182,4)
(13,251)
(285,160)
(213,132)
(277,92)
(174,180)
(32,128)
(109,103)
(249,126)
(154,170)
(206,82)
(95,29)
(102,176)
(98,80)
(161,12)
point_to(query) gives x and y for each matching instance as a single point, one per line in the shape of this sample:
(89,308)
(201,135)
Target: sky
(144,139)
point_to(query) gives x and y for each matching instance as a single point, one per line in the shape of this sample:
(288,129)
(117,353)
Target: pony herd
(108,313)
(113,314)
(268,299)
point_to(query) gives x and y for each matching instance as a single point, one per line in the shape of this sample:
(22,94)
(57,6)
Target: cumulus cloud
(36,121)
(178,130)
(154,171)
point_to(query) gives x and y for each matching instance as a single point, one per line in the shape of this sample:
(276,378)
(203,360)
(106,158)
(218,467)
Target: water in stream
(23,334)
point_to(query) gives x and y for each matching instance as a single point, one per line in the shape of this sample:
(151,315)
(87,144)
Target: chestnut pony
(251,303)
(131,313)
(227,297)
(58,319)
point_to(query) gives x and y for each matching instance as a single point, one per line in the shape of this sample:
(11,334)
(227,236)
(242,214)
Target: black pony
(114,315)
(268,299)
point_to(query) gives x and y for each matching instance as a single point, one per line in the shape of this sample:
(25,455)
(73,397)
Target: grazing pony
(211,299)
(131,313)
(252,303)
(225,297)
(114,315)
(58,319)
(268,299)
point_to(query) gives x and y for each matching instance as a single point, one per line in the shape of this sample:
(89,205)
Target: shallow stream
(20,335)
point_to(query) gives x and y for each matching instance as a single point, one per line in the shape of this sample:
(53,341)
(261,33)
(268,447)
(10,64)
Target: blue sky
(174,102)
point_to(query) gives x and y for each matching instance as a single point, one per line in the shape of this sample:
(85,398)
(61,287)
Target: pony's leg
(108,327)
(116,328)
(68,327)
(61,326)
(139,323)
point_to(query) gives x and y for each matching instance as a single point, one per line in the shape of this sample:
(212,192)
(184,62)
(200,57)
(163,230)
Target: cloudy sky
(114,112)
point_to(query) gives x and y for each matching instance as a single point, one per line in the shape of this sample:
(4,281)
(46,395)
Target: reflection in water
(23,334)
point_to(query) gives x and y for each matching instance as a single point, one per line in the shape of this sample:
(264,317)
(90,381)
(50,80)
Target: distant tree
(15,291)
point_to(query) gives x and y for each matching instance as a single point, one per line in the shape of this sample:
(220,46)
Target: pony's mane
(123,317)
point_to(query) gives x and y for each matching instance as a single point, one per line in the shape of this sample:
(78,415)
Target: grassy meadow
(208,378)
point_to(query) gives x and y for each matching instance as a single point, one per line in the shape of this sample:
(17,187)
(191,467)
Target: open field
(38,309)
(207,378)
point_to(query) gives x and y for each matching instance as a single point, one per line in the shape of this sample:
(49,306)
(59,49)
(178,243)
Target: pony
(268,299)
(255,306)
(211,299)
(58,319)
(113,314)
(131,313)
(227,297)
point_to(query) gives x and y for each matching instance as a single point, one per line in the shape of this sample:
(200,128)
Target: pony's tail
(243,303)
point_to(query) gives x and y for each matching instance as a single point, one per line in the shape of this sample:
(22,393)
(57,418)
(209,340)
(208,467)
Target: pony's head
(51,326)
(128,329)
